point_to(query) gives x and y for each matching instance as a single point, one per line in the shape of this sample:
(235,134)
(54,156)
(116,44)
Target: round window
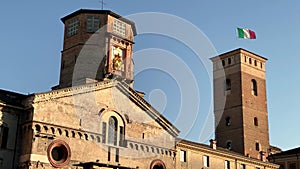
(59,153)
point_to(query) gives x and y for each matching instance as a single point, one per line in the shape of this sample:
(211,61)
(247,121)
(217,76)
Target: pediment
(111,95)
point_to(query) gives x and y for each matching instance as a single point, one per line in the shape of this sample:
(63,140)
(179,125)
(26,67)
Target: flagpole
(236,37)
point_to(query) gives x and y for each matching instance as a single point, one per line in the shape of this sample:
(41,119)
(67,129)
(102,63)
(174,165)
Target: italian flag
(246,33)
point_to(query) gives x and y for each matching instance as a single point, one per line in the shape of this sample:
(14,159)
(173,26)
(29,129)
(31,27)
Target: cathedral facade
(95,119)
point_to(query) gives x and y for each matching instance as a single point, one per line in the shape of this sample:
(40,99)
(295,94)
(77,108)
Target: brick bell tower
(97,46)
(240,103)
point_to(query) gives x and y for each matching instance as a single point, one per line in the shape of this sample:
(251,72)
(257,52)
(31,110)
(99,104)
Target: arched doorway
(157,164)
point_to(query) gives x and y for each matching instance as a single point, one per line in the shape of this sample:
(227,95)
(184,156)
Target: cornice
(238,51)
(70,91)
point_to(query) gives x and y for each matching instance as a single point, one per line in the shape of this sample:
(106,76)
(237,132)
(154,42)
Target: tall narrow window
(182,156)
(227,87)
(229,61)
(121,132)
(73,134)
(3,136)
(206,161)
(228,84)
(229,145)
(255,121)
(103,132)
(228,121)
(254,87)
(227,164)
(92,24)
(112,131)
(257,146)
(117,155)
(242,166)
(72,27)
(108,153)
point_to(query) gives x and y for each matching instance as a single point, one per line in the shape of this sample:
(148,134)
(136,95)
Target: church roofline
(236,51)
(12,99)
(157,115)
(96,11)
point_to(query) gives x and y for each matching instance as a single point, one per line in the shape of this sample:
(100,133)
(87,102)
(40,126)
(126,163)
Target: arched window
(228,121)
(80,135)
(136,147)
(73,134)
(254,87)
(255,121)
(46,128)
(59,131)
(98,139)
(52,130)
(223,62)
(228,84)
(229,145)
(112,130)
(66,133)
(37,128)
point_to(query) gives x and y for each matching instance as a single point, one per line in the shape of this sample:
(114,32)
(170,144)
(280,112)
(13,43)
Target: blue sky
(32,36)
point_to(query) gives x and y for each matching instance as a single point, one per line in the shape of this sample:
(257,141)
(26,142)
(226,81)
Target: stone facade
(81,118)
